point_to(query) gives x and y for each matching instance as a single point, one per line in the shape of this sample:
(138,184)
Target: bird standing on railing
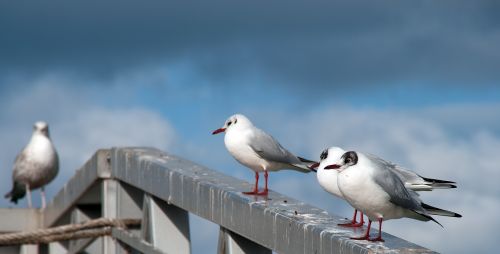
(328,178)
(258,150)
(36,166)
(373,188)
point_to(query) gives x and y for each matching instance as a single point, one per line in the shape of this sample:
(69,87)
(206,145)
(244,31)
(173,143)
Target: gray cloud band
(296,42)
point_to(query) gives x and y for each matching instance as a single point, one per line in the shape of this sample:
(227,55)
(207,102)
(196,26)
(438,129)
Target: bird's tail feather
(436,180)
(18,191)
(430,186)
(304,166)
(306,160)
(438,211)
(301,168)
(443,186)
(440,184)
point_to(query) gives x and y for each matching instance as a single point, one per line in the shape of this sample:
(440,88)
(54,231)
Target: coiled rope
(88,229)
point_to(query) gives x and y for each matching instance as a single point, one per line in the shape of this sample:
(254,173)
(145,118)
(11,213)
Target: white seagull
(35,166)
(373,188)
(258,150)
(328,178)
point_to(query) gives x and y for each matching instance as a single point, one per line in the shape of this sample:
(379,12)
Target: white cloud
(103,128)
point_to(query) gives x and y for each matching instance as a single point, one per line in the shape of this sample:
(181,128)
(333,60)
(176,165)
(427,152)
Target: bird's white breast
(237,143)
(328,180)
(363,193)
(41,151)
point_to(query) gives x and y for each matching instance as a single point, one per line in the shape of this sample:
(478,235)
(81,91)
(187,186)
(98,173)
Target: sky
(415,82)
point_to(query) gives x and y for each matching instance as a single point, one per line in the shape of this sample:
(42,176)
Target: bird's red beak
(218,131)
(333,166)
(314,166)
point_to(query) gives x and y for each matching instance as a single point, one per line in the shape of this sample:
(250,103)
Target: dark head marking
(324,154)
(232,120)
(350,158)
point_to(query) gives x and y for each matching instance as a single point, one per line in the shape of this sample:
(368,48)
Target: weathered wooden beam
(277,222)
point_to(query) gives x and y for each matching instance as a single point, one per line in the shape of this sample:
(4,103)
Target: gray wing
(392,184)
(399,195)
(405,175)
(270,149)
(411,179)
(20,164)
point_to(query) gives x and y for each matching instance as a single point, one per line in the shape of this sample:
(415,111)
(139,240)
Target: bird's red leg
(367,234)
(256,188)
(379,238)
(353,223)
(361,221)
(265,186)
(349,224)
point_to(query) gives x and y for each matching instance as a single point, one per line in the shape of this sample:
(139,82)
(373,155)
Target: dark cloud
(293,42)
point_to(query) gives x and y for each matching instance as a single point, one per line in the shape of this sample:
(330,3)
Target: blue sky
(415,83)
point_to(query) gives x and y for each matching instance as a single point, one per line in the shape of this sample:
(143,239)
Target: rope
(88,229)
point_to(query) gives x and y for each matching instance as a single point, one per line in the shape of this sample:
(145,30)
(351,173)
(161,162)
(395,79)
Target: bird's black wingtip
(437,180)
(431,218)
(13,200)
(18,192)
(12,197)
(437,222)
(305,160)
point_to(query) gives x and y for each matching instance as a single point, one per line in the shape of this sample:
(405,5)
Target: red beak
(218,131)
(333,166)
(314,166)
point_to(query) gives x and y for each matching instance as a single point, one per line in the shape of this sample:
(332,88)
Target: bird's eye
(229,123)
(350,158)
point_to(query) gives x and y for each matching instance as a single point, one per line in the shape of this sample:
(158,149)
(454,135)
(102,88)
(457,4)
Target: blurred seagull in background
(258,150)
(374,188)
(328,178)
(36,166)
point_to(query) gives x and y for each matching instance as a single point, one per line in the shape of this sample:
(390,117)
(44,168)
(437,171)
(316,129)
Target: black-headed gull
(35,166)
(373,188)
(258,150)
(328,178)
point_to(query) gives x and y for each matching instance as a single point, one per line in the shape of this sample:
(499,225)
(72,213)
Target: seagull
(35,166)
(376,190)
(328,178)
(258,150)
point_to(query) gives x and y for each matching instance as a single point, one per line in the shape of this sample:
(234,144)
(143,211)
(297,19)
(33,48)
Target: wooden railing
(162,190)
